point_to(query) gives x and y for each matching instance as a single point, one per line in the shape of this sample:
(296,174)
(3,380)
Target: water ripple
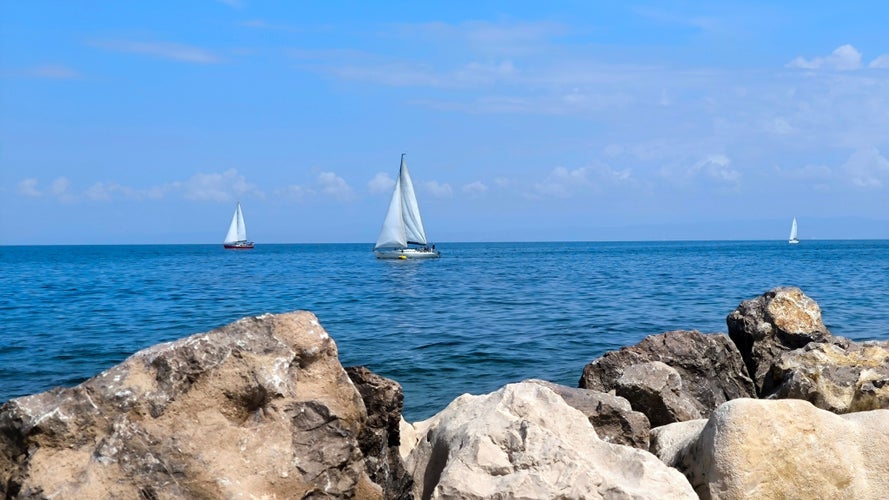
(481,316)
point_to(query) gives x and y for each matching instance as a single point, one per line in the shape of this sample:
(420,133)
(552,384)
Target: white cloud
(294,192)
(843,58)
(778,126)
(476,188)
(881,62)
(334,185)
(716,167)
(60,186)
(225,186)
(52,72)
(108,191)
(562,182)
(381,183)
(28,187)
(867,168)
(101,191)
(806,172)
(439,190)
(164,50)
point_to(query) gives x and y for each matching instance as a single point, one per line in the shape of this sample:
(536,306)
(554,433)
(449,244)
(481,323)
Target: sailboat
(793,239)
(402,235)
(236,238)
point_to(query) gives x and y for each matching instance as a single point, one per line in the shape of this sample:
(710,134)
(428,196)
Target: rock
(525,441)
(780,320)
(710,370)
(782,449)
(839,376)
(668,440)
(258,408)
(612,416)
(656,387)
(409,438)
(380,439)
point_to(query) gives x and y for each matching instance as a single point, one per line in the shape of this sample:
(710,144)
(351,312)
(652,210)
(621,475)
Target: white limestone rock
(524,441)
(781,449)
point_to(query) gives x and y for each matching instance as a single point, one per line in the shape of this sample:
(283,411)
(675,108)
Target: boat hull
(793,242)
(407,254)
(245,245)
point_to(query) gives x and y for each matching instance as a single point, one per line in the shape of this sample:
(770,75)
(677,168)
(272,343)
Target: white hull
(793,242)
(407,253)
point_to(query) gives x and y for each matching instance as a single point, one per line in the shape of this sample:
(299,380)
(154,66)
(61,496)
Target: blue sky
(144,122)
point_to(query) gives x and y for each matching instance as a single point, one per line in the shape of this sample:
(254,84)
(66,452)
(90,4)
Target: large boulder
(709,368)
(840,375)
(612,417)
(780,320)
(258,408)
(380,439)
(525,441)
(657,387)
(780,449)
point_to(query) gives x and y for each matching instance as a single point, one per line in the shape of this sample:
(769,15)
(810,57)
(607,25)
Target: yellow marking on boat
(403,257)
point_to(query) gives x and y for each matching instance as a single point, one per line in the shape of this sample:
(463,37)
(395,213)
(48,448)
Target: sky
(146,122)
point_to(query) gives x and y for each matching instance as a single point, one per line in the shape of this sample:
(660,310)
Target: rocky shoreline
(262,408)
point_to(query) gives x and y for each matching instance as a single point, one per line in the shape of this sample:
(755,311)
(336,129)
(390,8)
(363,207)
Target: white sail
(237,231)
(793,230)
(402,225)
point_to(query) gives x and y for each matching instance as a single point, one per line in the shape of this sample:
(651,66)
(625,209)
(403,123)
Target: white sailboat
(402,235)
(793,239)
(236,238)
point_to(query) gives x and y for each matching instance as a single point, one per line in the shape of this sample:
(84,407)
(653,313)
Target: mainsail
(237,231)
(402,225)
(793,231)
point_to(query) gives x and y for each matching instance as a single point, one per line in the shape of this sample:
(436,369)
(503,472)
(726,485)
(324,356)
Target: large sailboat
(793,239)
(402,235)
(236,238)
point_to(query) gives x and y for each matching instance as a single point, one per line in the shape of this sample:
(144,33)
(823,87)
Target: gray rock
(612,417)
(656,387)
(763,328)
(710,368)
(258,408)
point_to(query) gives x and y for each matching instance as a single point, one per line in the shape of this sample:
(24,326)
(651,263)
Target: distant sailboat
(236,238)
(793,239)
(402,235)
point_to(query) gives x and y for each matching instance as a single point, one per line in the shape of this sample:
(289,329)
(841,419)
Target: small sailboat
(793,239)
(402,235)
(236,238)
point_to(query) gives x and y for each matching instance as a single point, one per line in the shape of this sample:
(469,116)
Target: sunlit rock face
(258,408)
(780,320)
(780,449)
(840,375)
(524,441)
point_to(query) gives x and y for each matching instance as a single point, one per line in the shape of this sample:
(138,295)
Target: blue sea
(483,315)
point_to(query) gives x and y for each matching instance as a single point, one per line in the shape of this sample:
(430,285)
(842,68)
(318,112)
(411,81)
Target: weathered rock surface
(780,449)
(657,387)
(763,328)
(525,441)
(709,366)
(260,408)
(612,417)
(380,439)
(840,375)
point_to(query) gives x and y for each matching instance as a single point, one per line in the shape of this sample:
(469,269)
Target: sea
(484,315)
